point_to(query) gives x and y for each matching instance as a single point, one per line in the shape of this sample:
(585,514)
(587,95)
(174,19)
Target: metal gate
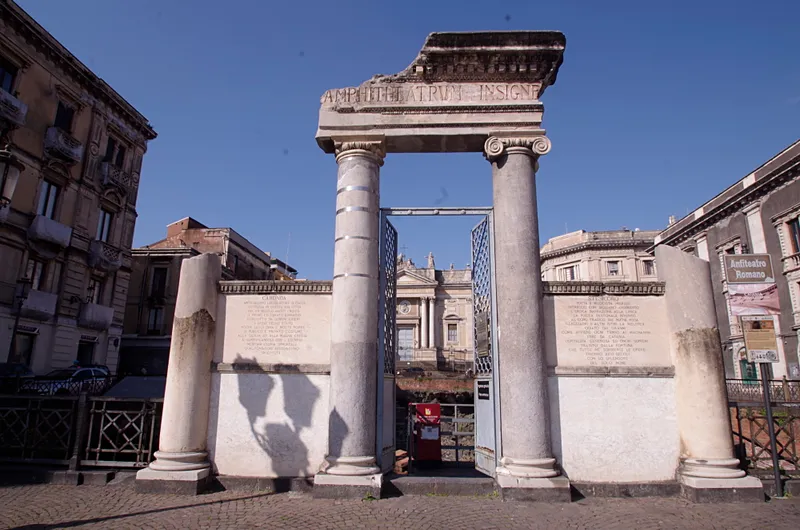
(387,345)
(487,410)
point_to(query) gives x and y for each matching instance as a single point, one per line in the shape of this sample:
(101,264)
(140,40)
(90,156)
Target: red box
(427,436)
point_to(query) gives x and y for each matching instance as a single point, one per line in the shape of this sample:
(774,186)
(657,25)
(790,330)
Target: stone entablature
(275,286)
(600,288)
(461,89)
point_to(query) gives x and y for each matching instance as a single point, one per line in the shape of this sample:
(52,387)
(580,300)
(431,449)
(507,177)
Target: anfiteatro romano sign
(748,268)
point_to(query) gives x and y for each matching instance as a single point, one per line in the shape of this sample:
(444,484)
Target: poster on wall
(753,299)
(760,340)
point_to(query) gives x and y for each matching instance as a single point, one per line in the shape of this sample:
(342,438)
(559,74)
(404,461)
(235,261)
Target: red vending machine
(427,438)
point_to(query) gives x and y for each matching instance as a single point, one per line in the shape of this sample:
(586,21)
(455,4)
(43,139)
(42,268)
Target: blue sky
(658,107)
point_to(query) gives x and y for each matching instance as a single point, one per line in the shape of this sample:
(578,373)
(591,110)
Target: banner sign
(760,339)
(748,268)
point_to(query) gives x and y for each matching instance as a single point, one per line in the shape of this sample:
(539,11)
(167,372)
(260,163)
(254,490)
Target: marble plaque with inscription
(281,328)
(606,331)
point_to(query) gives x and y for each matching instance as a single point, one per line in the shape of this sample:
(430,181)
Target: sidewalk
(82,507)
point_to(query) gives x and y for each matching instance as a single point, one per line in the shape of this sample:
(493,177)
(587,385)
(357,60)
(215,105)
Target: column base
(327,486)
(192,482)
(714,468)
(528,468)
(552,489)
(351,465)
(708,490)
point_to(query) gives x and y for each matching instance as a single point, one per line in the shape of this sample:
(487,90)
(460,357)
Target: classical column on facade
(181,463)
(354,317)
(527,459)
(432,323)
(423,304)
(708,469)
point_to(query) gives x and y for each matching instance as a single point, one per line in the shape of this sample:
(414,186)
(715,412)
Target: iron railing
(456,428)
(751,428)
(79,430)
(752,391)
(56,387)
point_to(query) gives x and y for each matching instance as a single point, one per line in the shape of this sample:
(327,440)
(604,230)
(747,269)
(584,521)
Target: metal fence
(751,429)
(79,430)
(456,428)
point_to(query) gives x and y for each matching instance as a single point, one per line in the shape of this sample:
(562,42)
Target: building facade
(434,317)
(759,214)
(615,255)
(150,306)
(72,152)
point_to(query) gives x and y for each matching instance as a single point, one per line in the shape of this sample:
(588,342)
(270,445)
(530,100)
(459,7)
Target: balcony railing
(96,316)
(39,305)
(12,110)
(46,230)
(791,263)
(61,144)
(114,175)
(103,256)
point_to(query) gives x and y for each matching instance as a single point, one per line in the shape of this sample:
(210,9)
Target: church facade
(434,317)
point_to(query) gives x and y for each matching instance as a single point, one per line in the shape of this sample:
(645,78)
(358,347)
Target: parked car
(69,381)
(12,375)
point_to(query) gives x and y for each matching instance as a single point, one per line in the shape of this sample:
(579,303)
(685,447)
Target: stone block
(191,482)
(709,490)
(555,489)
(347,486)
(627,489)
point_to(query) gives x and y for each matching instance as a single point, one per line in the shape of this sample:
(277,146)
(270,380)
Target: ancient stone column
(181,463)
(704,422)
(354,318)
(525,422)
(432,323)
(424,322)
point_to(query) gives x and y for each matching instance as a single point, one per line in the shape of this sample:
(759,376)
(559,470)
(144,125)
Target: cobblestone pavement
(50,506)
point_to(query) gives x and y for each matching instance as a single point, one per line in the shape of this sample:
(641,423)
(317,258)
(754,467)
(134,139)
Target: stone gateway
(609,385)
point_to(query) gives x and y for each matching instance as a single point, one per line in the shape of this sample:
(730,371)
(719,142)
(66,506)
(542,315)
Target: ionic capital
(530,145)
(375,148)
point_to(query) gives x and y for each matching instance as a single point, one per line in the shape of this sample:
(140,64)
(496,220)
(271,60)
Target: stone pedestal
(527,461)
(181,464)
(351,460)
(708,469)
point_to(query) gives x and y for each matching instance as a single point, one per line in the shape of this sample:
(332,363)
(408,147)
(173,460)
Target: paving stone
(87,507)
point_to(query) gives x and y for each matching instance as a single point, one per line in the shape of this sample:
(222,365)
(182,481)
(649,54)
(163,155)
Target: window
(613,268)
(115,153)
(731,250)
(64,116)
(649,267)
(23,348)
(48,195)
(794,234)
(155,320)
(235,264)
(7,74)
(569,274)
(452,333)
(104,225)
(158,285)
(35,273)
(85,352)
(94,294)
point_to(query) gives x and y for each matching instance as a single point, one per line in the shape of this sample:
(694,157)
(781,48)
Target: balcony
(46,230)
(62,145)
(104,257)
(12,110)
(95,316)
(39,305)
(791,263)
(115,176)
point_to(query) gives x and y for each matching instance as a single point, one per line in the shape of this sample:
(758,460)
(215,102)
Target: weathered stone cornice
(611,288)
(275,287)
(588,245)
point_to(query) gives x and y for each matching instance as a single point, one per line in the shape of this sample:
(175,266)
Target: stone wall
(270,379)
(611,387)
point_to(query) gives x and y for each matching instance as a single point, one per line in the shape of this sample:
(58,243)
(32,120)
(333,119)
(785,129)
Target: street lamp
(20,295)
(10,168)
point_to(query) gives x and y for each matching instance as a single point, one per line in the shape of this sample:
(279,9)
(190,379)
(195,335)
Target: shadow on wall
(281,441)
